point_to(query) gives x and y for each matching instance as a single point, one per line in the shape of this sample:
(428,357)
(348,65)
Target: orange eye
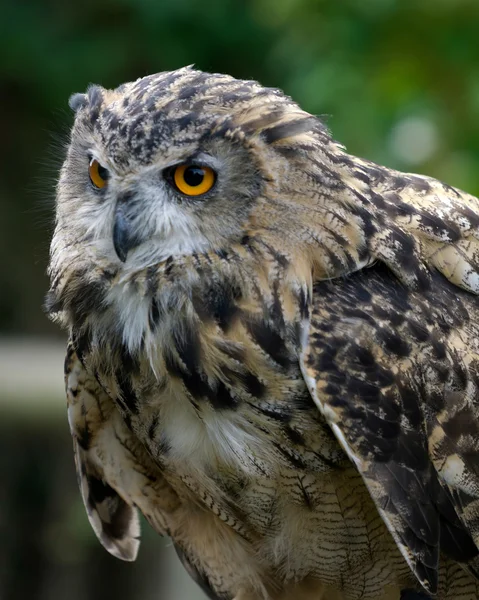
(98,174)
(193,180)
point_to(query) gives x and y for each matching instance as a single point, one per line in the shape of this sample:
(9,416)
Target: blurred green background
(397,81)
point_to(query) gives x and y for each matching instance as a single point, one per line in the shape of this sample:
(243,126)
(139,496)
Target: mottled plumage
(280,373)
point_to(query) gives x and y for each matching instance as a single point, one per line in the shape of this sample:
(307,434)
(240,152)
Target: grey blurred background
(397,82)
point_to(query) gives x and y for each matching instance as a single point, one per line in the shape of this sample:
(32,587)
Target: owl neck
(159,311)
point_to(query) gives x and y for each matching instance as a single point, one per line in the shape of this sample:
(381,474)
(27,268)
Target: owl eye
(98,174)
(192,180)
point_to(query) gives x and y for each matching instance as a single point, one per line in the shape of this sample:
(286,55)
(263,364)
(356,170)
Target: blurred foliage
(398,81)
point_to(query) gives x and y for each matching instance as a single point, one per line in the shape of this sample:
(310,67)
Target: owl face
(172,164)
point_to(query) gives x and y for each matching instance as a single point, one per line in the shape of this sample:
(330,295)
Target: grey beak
(123,237)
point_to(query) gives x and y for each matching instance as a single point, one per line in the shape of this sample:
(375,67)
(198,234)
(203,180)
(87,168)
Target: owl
(273,346)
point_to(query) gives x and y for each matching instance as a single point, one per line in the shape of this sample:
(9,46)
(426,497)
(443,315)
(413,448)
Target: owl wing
(395,374)
(418,223)
(99,443)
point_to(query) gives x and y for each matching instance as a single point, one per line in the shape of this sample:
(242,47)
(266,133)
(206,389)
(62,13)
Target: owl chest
(283,487)
(290,511)
(260,473)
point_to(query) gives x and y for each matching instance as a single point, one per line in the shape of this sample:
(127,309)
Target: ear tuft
(77,101)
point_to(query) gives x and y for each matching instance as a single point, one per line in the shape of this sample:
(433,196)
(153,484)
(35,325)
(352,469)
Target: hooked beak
(124,239)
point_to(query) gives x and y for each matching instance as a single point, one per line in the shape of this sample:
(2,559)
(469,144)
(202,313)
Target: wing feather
(109,507)
(420,223)
(395,373)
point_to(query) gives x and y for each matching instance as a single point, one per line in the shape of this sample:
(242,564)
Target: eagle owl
(274,346)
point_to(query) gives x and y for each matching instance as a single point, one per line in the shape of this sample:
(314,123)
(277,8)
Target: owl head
(178,163)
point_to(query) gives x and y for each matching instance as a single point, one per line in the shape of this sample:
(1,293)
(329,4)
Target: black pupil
(102,172)
(194,176)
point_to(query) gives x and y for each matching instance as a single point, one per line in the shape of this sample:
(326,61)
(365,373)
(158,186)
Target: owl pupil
(102,172)
(194,176)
